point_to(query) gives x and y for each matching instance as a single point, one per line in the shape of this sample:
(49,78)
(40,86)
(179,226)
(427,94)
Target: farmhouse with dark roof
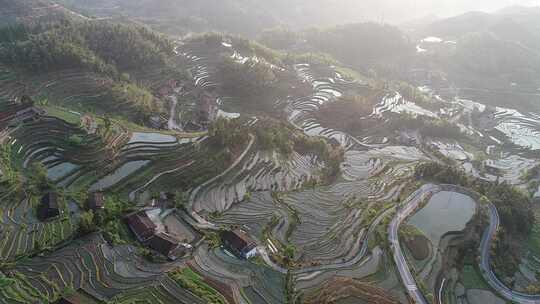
(239,244)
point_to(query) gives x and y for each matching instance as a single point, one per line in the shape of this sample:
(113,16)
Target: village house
(239,244)
(406,138)
(89,124)
(168,246)
(492,168)
(49,207)
(153,231)
(168,88)
(208,109)
(95,201)
(141,225)
(158,121)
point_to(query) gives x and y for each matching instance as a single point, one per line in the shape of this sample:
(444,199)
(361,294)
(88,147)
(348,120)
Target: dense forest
(430,127)
(94,46)
(26,11)
(344,113)
(486,54)
(111,51)
(364,46)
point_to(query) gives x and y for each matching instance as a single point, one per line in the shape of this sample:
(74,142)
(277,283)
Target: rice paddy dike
(321,234)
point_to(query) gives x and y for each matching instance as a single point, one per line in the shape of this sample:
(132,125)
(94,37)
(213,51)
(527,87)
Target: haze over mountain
(247,16)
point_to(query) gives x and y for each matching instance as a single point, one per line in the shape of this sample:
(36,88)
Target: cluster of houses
(151,233)
(204,113)
(148,228)
(142,226)
(148,233)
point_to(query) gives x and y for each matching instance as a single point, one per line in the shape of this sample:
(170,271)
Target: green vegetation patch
(62,113)
(189,279)
(533,242)
(471,279)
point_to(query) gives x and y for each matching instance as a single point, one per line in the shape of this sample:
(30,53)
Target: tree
(180,199)
(86,223)
(289,251)
(38,178)
(278,38)
(107,122)
(75,140)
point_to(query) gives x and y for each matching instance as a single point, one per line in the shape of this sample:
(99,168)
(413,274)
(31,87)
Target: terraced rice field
(101,271)
(121,154)
(334,230)
(10,88)
(259,171)
(325,224)
(327,88)
(522,130)
(22,233)
(258,284)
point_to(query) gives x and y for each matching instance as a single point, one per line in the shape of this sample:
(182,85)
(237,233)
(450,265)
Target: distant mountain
(32,11)
(249,17)
(514,23)
(498,51)
(518,9)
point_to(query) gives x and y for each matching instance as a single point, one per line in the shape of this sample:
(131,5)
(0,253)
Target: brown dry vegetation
(418,246)
(341,288)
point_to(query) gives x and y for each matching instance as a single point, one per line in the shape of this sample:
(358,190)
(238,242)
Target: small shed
(96,201)
(49,207)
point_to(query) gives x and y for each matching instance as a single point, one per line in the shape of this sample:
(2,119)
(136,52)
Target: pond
(120,173)
(57,172)
(227,115)
(151,138)
(432,39)
(445,212)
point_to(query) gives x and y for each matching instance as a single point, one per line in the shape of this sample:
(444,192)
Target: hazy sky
(453,7)
(397,11)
